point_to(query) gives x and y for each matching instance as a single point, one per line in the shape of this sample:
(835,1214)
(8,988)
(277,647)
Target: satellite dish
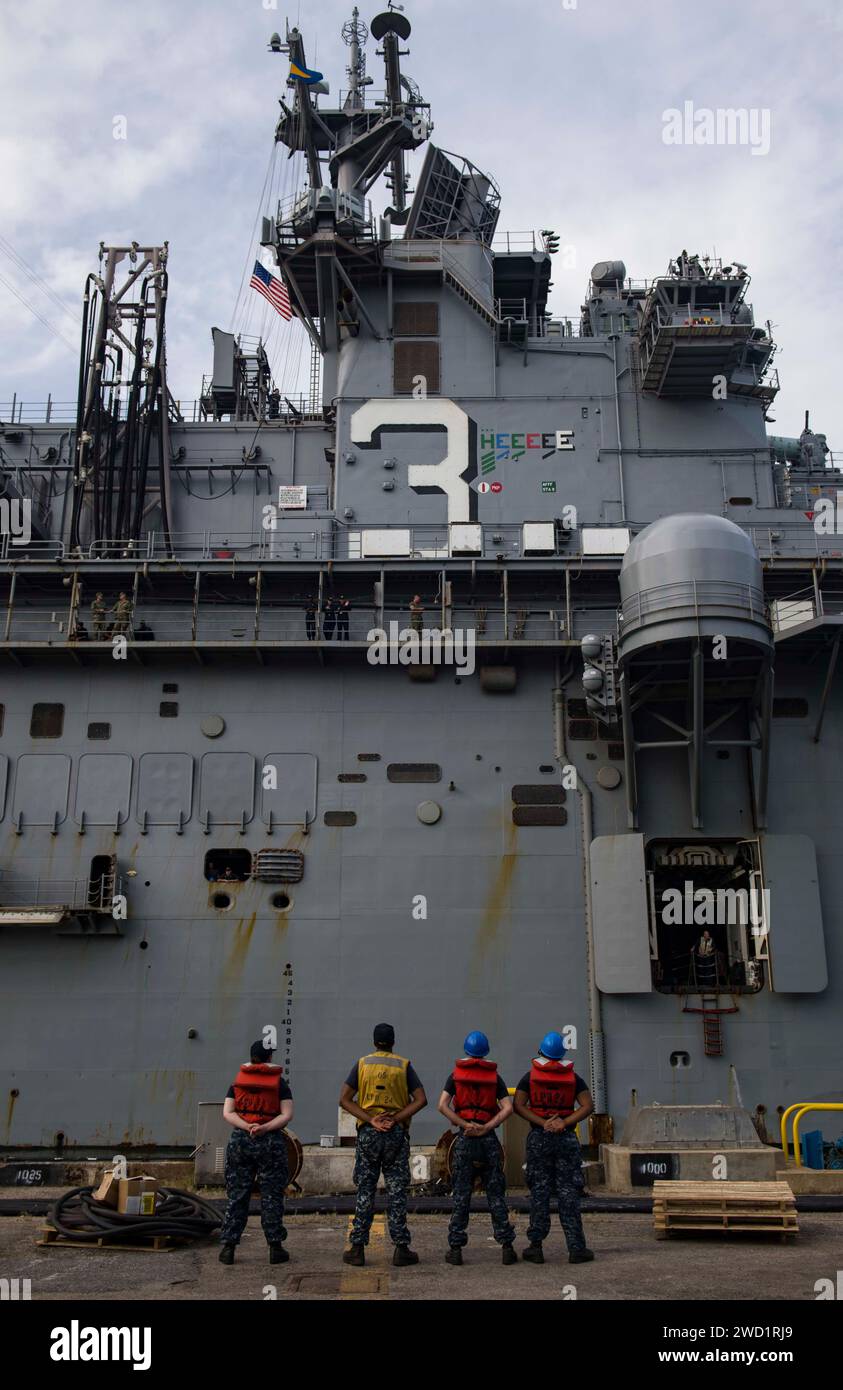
(390,22)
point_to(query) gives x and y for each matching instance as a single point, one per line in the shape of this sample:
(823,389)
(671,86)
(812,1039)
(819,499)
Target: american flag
(272,289)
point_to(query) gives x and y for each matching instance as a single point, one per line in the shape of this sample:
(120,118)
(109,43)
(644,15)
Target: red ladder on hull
(712,1016)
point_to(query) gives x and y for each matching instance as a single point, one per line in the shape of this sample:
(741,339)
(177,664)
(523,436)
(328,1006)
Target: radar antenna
(355,34)
(392,27)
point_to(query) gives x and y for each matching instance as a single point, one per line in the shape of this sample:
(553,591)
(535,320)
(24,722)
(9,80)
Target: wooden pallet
(159,1245)
(730,1208)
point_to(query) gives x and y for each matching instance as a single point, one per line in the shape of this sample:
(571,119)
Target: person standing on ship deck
(343,617)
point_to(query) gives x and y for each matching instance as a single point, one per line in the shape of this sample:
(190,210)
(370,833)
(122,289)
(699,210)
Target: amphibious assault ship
(218,813)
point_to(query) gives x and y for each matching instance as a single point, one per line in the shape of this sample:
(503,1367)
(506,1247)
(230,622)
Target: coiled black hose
(178,1213)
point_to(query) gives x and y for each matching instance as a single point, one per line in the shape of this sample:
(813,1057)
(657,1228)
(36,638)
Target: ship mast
(326,242)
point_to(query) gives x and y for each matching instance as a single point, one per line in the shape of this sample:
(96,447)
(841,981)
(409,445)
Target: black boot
(454,1256)
(580,1257)
(404,1256)
(534,1253)
(354,1256)
(278,1255)
(226,1254)
(508,1255)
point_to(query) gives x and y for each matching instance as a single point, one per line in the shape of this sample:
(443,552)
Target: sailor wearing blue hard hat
(475,1099)
(554,1098)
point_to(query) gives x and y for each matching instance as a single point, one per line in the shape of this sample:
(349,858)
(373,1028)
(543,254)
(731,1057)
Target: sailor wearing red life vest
(554,1099)
(476,1100)
(259,1106)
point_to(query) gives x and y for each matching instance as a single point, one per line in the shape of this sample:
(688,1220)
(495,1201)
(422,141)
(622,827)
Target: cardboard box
(137,1196)
(108,1190)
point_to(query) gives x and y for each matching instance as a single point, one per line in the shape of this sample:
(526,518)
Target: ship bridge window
(102,731)
(47,721)
(707,917)
(228,865)
(2,716)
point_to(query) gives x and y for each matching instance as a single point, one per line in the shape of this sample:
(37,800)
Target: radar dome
(690,575)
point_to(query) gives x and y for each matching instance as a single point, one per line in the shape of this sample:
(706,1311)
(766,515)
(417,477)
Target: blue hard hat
(553,1046)
(476,1045)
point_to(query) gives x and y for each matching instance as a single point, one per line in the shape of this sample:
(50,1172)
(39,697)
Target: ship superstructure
(220,814)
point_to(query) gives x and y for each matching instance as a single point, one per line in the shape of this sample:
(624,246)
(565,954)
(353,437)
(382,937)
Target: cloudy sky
(562,102)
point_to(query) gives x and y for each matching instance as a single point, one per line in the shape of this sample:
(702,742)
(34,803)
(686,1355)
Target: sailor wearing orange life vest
(259,1106)
(554,1099)
(476,1100)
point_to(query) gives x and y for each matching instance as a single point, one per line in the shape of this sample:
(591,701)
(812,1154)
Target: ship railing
(515,309)
(369,95)
(507,242)
(435,253)
(73,894)
(420,251)
(223,546)
(775,541)
(707,316)
(545,326)
(697,597)
(805,496)
(374,97)
(289,621)
(57,413)
(15,412)
(791,610)
(33,550)
(325,542)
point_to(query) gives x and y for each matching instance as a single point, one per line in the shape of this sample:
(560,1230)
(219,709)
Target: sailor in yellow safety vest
(388,1093)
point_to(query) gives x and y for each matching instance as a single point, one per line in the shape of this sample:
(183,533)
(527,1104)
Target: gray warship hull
(215,820)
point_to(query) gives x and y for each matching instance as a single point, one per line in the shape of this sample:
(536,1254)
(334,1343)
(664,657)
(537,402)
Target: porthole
(221,901)
(281,902)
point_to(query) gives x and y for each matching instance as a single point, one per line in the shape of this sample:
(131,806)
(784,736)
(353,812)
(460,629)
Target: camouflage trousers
(554,1169)
(467,1157)
(264,1158)
(387,1152)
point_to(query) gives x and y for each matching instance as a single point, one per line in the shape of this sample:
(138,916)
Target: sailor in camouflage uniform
(259,1105)
(554,1099)
(475,1099)
(388,1094)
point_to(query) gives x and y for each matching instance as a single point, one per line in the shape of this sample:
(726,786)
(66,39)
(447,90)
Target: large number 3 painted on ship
(454,473)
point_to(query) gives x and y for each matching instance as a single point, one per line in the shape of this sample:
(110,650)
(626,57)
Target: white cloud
(563,106)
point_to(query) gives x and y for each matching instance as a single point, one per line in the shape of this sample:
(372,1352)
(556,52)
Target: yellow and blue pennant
(308,75)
